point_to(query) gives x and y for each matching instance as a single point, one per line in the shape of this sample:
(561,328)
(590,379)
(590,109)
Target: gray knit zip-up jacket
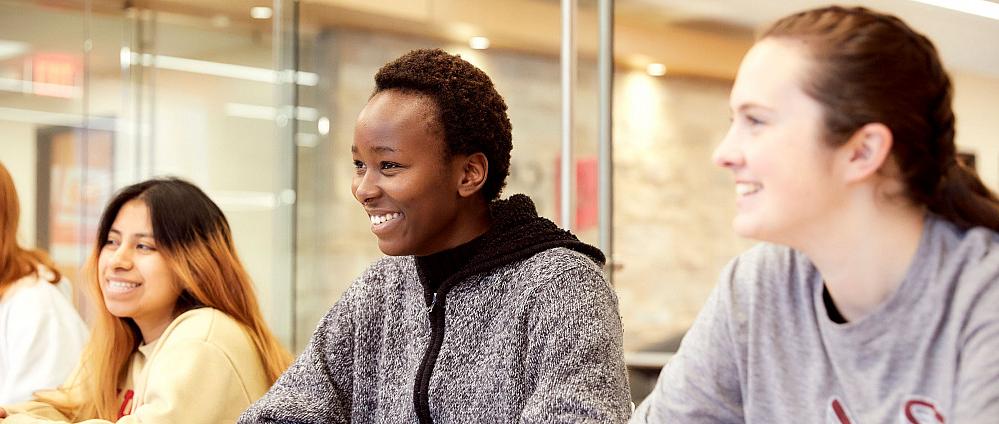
(528,333)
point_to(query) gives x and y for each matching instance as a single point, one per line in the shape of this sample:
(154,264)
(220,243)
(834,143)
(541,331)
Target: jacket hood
(517,233)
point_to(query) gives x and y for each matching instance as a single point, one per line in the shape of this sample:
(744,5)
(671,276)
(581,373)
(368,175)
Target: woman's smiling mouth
(119,286)
(381,219)
(746,189)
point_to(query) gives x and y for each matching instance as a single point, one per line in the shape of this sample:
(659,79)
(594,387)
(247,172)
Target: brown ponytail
(964,199)
(871,67)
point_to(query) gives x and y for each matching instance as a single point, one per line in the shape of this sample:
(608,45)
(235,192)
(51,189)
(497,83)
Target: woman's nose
(727,154)
(366,188)
(121,258)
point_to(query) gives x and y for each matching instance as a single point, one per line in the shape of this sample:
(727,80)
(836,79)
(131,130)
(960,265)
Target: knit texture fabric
(530,333)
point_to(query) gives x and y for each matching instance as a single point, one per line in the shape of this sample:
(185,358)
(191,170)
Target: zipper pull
(432,303)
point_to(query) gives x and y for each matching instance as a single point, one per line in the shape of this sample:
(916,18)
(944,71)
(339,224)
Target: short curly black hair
(469,110)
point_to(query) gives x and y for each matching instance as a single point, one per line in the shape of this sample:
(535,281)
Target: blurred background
(255,101)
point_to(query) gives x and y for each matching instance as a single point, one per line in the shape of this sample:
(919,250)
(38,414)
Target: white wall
(17,152)
(975,107)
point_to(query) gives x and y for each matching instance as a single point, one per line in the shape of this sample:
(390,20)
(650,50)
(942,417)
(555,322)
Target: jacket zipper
(421,391)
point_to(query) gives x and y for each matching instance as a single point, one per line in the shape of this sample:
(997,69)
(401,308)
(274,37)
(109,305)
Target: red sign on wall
(587,211)
(55,74)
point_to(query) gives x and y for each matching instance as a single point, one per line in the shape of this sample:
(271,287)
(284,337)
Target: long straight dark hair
(196,242)
(872,67)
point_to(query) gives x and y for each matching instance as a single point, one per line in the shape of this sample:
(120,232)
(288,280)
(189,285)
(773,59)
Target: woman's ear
(474,169)
(866,151)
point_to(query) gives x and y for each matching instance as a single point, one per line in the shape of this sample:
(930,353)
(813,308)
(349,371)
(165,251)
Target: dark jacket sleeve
(575,342)
(317,388)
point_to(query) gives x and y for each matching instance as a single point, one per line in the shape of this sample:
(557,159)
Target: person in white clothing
(41,334)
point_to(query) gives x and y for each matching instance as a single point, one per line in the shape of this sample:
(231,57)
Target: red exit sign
(54,74)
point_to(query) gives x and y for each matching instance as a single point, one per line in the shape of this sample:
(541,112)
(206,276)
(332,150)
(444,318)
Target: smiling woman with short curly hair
(468,110)
(483,311)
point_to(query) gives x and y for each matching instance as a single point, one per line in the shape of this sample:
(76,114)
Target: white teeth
(743,189)
(381,219)
(121,285)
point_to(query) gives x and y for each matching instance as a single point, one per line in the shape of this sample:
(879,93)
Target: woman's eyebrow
(376,149)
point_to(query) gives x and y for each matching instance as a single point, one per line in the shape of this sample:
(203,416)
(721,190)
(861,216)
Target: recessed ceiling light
(478,43)
(656,69)
(261,12)
(323,125)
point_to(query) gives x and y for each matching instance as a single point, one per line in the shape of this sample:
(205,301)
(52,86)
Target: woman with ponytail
(41,334)
(875,298)
(179,337)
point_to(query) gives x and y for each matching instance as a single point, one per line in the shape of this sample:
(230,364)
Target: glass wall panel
(57,139)
(95,97)
(208,108)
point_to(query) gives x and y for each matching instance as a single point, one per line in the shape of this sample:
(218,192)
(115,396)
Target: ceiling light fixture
(225,70)
(656,69)
(261,12)
(478,43)
(323,125)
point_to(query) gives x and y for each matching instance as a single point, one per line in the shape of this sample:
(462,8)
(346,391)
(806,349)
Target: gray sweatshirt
(764,350)
(528,331)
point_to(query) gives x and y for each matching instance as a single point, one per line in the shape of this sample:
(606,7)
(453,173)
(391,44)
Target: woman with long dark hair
(41,334)
(178,336)
(877,297)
